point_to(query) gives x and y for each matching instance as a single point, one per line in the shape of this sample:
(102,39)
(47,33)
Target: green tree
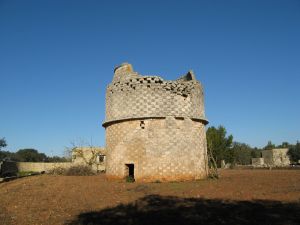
(284,145)
(256,153)
(269,146)
(2,143)
(242,153)
(294,152)
(30,155)
(219,144)
(56,159)
(3,154)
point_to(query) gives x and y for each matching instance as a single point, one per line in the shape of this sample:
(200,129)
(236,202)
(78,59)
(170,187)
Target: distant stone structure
(84,156)
(155,129)
(89,156)
(276,157)
(42,166)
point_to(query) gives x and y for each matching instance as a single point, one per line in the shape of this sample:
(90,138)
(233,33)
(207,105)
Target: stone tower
(155,129)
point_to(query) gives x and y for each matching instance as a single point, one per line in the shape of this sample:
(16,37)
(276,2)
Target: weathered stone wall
(276,157)
(41,166)
(161,149)
(267,155)
(89,156)
(281,157)
(157,125)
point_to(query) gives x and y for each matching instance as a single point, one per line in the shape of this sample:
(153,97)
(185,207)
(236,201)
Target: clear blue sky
(56,58)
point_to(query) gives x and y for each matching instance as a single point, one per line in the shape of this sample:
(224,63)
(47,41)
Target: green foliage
(243,153)
(129,179)
(30,155)
(2,143)
(294,152)
(25,173)
(7,154)
(256,153)
(219,144)
(4,154)
(56,159)
(269,146)
(284,145)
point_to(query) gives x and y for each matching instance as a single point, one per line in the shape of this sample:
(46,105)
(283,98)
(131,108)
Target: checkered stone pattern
(165,149)
(152,97)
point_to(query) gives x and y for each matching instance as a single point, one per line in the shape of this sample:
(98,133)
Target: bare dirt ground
(238,197)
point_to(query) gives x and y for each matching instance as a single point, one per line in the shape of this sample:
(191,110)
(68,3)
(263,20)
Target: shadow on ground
(158,210)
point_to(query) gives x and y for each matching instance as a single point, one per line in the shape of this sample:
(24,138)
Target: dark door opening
(130,170)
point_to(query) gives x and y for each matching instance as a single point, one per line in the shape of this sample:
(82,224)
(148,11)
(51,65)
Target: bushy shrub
(57,171)
(294,152)
(79,170)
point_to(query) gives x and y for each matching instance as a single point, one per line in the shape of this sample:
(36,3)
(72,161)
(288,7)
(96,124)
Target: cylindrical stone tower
(155,129)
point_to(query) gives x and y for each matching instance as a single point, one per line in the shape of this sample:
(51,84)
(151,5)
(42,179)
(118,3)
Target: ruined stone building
(155,129)
(277,157)
(89,156)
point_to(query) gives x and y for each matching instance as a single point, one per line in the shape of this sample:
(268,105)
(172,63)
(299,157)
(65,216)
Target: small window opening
(130,170)
(142,124)
(101,158)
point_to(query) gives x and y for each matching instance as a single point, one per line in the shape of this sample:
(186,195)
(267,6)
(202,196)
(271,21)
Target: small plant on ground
(25,173)
(129,179)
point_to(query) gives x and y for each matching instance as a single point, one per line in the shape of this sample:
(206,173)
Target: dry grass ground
(238,197)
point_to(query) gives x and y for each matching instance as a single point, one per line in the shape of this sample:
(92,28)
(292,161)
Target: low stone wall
(41,166)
